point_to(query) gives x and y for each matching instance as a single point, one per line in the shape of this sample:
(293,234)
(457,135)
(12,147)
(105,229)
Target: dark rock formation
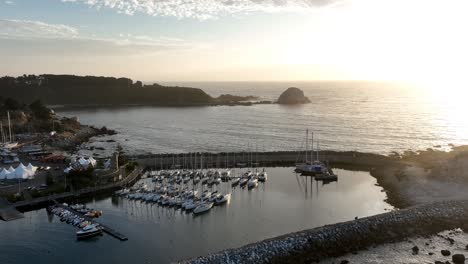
(293,95)
(445,252)
(458,258)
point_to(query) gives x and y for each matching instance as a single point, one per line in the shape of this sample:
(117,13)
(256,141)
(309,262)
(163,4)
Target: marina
(84,219)
(164,234)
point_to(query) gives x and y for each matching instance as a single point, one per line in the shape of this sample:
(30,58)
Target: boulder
(293,95)
(458,258)
(415,250)
(445,252)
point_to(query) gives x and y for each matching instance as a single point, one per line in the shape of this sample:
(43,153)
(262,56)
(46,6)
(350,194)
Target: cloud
(36,37)
(35,29)
(9,2)
(203,9)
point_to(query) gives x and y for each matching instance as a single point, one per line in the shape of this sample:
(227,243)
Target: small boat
(263,176)
(252,183)
(243,181)
(222,199)
(204,207)
(235,181)
(88,231)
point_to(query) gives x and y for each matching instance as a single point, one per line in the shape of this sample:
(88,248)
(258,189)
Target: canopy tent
(32,168)
(22,166)
(4,173)
(21,172)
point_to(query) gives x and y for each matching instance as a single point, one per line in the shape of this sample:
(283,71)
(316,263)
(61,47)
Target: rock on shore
(293,95)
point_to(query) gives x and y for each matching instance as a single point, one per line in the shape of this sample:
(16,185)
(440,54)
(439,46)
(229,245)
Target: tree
(12,104)
(39,110)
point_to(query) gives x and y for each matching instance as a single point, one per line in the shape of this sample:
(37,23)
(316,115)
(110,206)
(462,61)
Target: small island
(293,95)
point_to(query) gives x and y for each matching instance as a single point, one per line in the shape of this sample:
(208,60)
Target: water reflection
(285,203)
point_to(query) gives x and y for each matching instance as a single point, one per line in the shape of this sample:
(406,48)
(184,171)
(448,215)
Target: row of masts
(199,161)
(312,147)
(3,134)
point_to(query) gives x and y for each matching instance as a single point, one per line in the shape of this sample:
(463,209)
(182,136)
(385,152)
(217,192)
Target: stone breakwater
(341,238)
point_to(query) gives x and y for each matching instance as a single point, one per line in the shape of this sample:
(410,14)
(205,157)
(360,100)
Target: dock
(104,228)
(8,212)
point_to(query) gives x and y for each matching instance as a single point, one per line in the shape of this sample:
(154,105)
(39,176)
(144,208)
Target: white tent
(21,172)
(32,168)
(11,169)
(4,173)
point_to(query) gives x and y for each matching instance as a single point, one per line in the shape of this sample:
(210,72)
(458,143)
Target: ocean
(374,117)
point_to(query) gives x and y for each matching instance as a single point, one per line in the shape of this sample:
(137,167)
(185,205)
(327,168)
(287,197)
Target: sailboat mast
(318,147)
(1,130)
(9,125)
(306,144)
(312,148)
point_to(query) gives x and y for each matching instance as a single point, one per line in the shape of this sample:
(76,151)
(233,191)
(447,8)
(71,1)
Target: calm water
(363,116)
(286,203)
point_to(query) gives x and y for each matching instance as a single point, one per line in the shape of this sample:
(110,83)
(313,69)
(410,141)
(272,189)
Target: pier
(104,228)
(8,212)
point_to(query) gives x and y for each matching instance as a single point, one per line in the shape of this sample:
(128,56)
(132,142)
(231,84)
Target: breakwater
(259,159)
(338,239)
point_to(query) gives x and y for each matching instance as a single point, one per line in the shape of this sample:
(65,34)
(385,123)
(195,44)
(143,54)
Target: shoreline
(334,240)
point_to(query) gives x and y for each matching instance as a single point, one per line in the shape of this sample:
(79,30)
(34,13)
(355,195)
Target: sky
(237,40)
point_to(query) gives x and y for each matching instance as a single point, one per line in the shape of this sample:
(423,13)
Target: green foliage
(12,104)
(81,178)
(130,166)
(39,110)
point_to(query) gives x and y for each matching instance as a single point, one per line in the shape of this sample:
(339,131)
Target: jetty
(258,159)
(313,245)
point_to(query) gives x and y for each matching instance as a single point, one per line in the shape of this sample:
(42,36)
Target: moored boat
(88,231)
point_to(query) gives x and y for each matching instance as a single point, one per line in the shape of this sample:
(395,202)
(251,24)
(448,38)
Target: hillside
(91,90)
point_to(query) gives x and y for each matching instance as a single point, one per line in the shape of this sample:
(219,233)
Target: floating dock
(104,228)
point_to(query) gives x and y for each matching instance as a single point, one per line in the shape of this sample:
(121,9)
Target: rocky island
(293,95)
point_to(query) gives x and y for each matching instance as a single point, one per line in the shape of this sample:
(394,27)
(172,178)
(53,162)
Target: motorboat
(202,208)
(88,231)
(252,183)
(235,181)
(243,181)
(222,199)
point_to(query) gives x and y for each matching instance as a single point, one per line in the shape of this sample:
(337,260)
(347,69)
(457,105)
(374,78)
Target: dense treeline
(91,90)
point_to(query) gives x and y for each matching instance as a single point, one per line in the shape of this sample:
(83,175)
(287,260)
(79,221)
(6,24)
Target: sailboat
(312,168)
(9,144)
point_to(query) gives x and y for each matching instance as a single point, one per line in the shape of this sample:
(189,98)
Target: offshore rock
(293,95)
